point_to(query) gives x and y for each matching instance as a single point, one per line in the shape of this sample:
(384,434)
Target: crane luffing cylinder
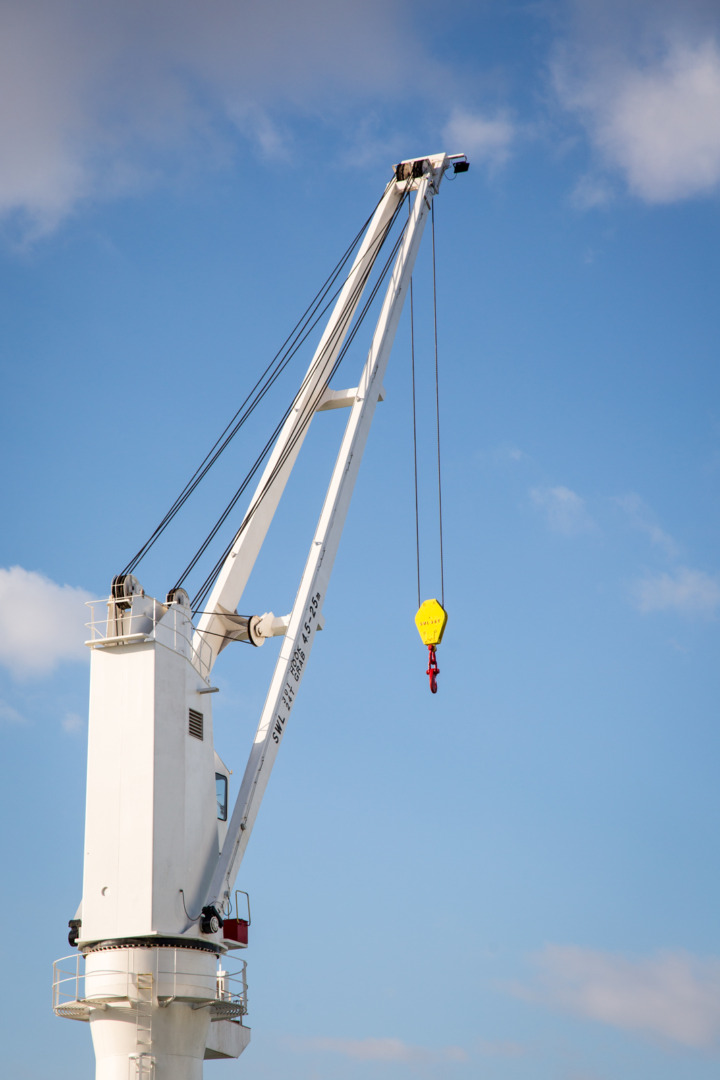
(160,860)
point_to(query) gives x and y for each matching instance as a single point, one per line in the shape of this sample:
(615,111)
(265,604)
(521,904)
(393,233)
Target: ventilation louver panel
(195,723)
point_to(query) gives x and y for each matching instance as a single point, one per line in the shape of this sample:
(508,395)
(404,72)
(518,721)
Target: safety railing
(231,994)
(77,992)
(143,618)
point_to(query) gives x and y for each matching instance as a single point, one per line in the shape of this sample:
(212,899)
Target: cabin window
(221,790)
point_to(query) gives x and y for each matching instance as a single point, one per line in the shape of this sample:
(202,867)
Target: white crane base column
(152,1009)
(176,1052)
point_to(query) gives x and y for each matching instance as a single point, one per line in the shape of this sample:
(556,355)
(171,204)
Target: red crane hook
(433,670)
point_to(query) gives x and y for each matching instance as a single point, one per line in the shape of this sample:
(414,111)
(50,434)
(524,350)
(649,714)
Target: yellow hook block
(431,620)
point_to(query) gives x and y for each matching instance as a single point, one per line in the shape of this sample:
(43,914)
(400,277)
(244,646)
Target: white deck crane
(160,856)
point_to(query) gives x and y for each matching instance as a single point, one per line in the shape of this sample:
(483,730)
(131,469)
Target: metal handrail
(142,626)
(228,988)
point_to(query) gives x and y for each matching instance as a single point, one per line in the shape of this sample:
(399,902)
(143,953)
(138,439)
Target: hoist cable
(414,425)
(321,363)
(277,365)
(437,410)
(437,421)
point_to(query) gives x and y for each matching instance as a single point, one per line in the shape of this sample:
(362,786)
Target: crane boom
(300,635)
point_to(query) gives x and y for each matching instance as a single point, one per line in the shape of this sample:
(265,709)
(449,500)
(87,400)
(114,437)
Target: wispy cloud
(564,510)
(486,139)
(41,623)
(644,80)
(502,455)
(10,715)
(388,1049)
(99,99)
(689,592)
(591,192)
(500,1048)
(681,589)
(672,995)
(72,723)
(641,517)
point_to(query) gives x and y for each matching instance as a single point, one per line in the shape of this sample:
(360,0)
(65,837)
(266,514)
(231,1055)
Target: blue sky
(517,878)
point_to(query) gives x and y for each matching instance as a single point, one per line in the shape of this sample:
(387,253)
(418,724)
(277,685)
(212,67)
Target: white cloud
(645,82)
(41,623)
(503,454)
(500,1048)
(591,192)
(485,139)
(672,995)
(98,98)
(9,715)
(72,723)
(682,589)
(564,510)
(641,517)
(395,1050)
(689,592)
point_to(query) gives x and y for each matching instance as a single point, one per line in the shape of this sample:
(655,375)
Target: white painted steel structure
(159,866)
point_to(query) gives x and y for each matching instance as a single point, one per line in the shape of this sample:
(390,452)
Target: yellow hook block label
(430,621)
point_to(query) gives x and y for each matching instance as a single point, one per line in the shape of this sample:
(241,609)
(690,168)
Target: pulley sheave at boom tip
(160,855)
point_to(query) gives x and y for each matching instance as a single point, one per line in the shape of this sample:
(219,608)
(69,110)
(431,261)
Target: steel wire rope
(437,409)
(200,597)
(338,333)
(310,410)
(414,426)
(224,439)
(218,448)
(437,422)
(297,336)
